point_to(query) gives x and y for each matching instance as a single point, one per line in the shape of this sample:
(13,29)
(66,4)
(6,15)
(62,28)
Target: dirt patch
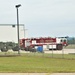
(9,55)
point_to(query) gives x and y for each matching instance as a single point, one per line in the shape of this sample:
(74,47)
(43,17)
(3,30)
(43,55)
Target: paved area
(37,74)
(65,51)
(63,74)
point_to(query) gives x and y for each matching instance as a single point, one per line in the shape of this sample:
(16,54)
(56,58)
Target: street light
(17,6)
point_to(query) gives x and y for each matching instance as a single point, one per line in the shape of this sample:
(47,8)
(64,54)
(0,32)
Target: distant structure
(8,32)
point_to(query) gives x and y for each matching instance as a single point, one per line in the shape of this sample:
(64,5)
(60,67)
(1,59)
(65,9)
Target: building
(8,32)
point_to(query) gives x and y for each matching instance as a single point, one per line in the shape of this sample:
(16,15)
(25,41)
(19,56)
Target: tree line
(71,40)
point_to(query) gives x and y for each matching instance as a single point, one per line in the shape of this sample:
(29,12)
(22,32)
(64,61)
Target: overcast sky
(42,18)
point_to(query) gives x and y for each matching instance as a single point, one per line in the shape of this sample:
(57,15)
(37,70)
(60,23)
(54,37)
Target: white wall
(9,33)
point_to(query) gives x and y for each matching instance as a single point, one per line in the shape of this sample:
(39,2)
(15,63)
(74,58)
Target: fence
(67,52)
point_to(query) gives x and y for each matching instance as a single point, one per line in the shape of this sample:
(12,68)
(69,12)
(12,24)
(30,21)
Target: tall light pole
(17,6)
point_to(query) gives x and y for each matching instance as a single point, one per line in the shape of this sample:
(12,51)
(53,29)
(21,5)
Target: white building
(8,32)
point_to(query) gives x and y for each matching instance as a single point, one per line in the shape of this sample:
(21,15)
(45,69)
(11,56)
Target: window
(61,41)
(64,40)
(13,26)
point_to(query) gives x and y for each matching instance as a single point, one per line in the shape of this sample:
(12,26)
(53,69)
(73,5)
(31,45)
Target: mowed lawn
(36,64)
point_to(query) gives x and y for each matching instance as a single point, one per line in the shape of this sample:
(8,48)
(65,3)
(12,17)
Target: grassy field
(34,63)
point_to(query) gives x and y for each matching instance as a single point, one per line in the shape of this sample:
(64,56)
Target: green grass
(38,62)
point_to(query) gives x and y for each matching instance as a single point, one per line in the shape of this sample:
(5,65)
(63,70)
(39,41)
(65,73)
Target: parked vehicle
(45,42)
